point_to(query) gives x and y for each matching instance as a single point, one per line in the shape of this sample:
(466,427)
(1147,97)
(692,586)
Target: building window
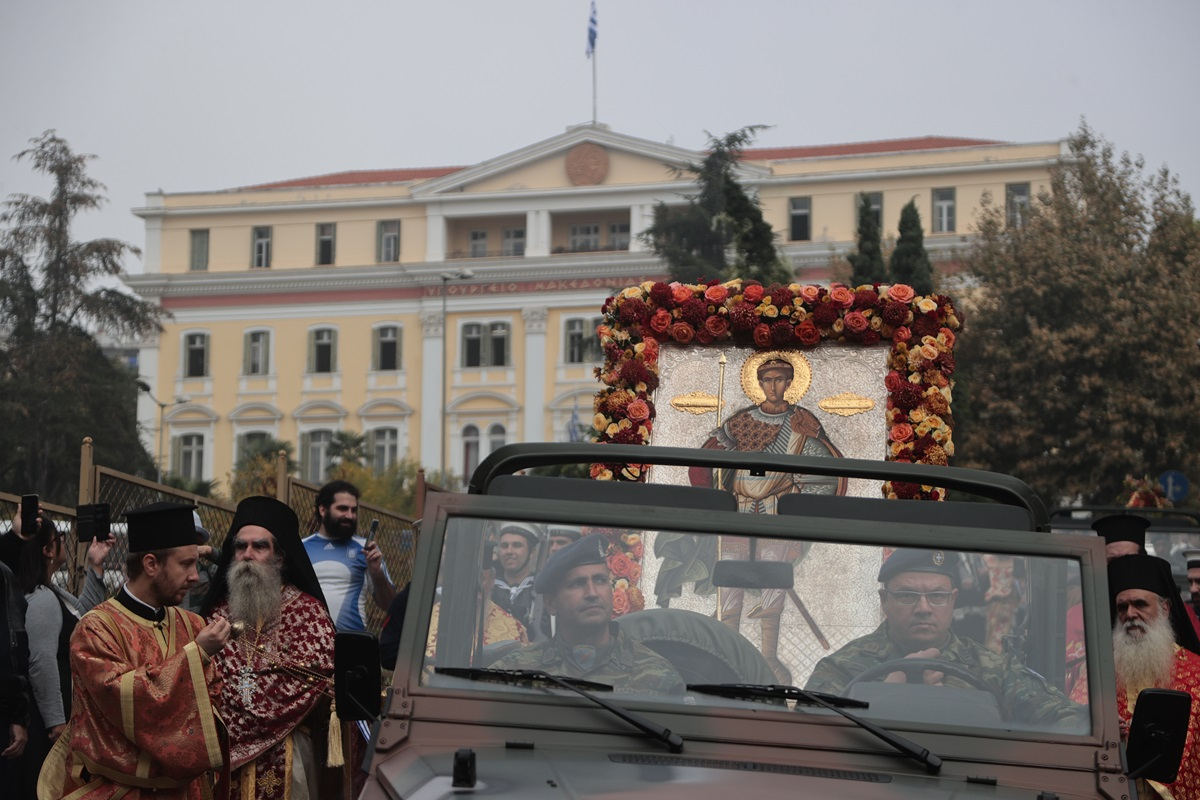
(389,240)
(514,242)
(251,441)
(584,238)
(322,350)
(943,211)
(478,244)
(583,345)
(875,199)
(191,456)
(326,232)
(261,254)
(314,457)
(195,355)
(384,448)
(618,236)
(199,261)
(485,345)
(256,353)
(470,443)
(800,210)
(386,351)
(1016,204)
(497,438)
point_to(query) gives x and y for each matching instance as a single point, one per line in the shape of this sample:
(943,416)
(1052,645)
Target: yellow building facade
(446,311)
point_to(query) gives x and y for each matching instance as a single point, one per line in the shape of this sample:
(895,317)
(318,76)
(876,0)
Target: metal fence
(397,536)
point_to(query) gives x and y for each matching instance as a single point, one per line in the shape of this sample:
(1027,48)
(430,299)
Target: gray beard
(255,592)
(1147,661)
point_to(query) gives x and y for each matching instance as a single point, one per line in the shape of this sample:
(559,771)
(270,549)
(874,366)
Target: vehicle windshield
(987,640)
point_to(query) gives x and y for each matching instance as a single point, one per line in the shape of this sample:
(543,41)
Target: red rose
(716,325)
(637,411)
(660,321)
(856,322)
(892,381)
(650,353)
(808,334)
(635,573)
(620,564)
(703,336)
(682,332)
(762,335)
(753,293)
(716,294)
(901,335)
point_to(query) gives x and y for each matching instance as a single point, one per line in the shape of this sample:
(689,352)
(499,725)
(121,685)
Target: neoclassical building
(446,311)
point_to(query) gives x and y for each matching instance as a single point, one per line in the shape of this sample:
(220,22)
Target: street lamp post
(162,410)
(458,275)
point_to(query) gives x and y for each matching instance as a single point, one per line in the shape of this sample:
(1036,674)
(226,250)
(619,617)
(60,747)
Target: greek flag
(591,48)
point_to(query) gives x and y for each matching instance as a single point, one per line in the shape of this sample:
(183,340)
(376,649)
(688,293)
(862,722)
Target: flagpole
(593,87)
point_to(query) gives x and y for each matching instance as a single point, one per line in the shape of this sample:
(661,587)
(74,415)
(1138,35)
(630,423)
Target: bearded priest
(1150,626)
(142,724)
(278,669)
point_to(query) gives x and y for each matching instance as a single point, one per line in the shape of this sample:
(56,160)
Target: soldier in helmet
(917,594)
(577,586)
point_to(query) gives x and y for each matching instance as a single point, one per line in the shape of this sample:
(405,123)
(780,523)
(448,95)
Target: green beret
(588,550)
(907,559)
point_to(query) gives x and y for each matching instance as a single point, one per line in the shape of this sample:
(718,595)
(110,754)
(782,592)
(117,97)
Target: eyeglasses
(912,598)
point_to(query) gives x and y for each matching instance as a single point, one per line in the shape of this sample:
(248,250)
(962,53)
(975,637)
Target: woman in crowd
(50,617)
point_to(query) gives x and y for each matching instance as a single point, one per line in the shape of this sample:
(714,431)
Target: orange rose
(841,296)
(635,572)
(901,433)
(638,410)
(810,294)
(681,293)
(753,293)
(650,354)
(660,321)
(620,564)
(716,294)
(620,603)
(901,293)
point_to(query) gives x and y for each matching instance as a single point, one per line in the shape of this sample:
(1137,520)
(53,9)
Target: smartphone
(374,529)
(93,521)
(29,515)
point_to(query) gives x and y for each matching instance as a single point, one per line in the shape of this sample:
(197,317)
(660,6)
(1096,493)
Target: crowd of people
(137,696)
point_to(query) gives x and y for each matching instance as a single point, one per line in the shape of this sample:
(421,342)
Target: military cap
(1123,528)
(1193,558)
(161,526)
(589,550)
(572,532)
(531,531)
(907,559)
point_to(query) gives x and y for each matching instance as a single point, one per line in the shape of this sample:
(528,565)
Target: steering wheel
(915,668)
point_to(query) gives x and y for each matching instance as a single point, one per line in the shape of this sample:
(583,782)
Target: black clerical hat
(161,526)
(1123,528)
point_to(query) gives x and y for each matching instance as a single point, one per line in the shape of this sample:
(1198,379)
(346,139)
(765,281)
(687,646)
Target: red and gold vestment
(1186,678)
(142,724)
(275,678)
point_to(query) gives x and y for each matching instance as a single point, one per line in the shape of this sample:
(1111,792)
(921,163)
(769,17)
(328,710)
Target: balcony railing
(520,252)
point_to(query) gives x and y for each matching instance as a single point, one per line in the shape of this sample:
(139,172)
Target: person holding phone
(12,542)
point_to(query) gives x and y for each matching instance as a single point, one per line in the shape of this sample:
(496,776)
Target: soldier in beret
(577,586)
(917,594)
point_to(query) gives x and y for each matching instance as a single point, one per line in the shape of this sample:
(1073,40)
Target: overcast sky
(212,95)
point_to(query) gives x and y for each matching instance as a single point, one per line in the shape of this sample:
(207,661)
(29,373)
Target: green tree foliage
(910,263)
(720,232)
(866,260)
(394,488)
(1081,359)
(256,471)
(348,447)
(56,386)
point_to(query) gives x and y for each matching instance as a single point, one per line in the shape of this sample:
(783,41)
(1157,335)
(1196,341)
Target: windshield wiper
(673,741)
(932,764)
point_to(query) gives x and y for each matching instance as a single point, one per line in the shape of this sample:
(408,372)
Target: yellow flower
(611,430)
(917,415)
(766,309)
(604,475)
(926,304)
(633,291)
(601,422)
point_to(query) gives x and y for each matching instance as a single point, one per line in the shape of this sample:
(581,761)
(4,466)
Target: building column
(535,375)
(537,232)
(435,237)
(641,217)
(432,400)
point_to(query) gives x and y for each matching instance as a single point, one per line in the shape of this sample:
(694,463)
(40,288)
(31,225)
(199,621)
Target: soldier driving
(577,586)
(917,595)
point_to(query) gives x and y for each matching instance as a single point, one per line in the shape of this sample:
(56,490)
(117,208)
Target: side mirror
(1157,734)
(754,574)
(357,679)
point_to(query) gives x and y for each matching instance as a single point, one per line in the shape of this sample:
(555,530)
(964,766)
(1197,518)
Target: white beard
(255,592)
(1145,660)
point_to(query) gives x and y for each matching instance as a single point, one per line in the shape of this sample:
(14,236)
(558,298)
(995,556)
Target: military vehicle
(739,720)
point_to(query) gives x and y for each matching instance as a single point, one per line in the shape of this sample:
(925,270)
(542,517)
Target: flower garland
(625,563)
(921,361)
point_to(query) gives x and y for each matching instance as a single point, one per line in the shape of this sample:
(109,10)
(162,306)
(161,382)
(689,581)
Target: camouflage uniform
(628,666)
(1022,694)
